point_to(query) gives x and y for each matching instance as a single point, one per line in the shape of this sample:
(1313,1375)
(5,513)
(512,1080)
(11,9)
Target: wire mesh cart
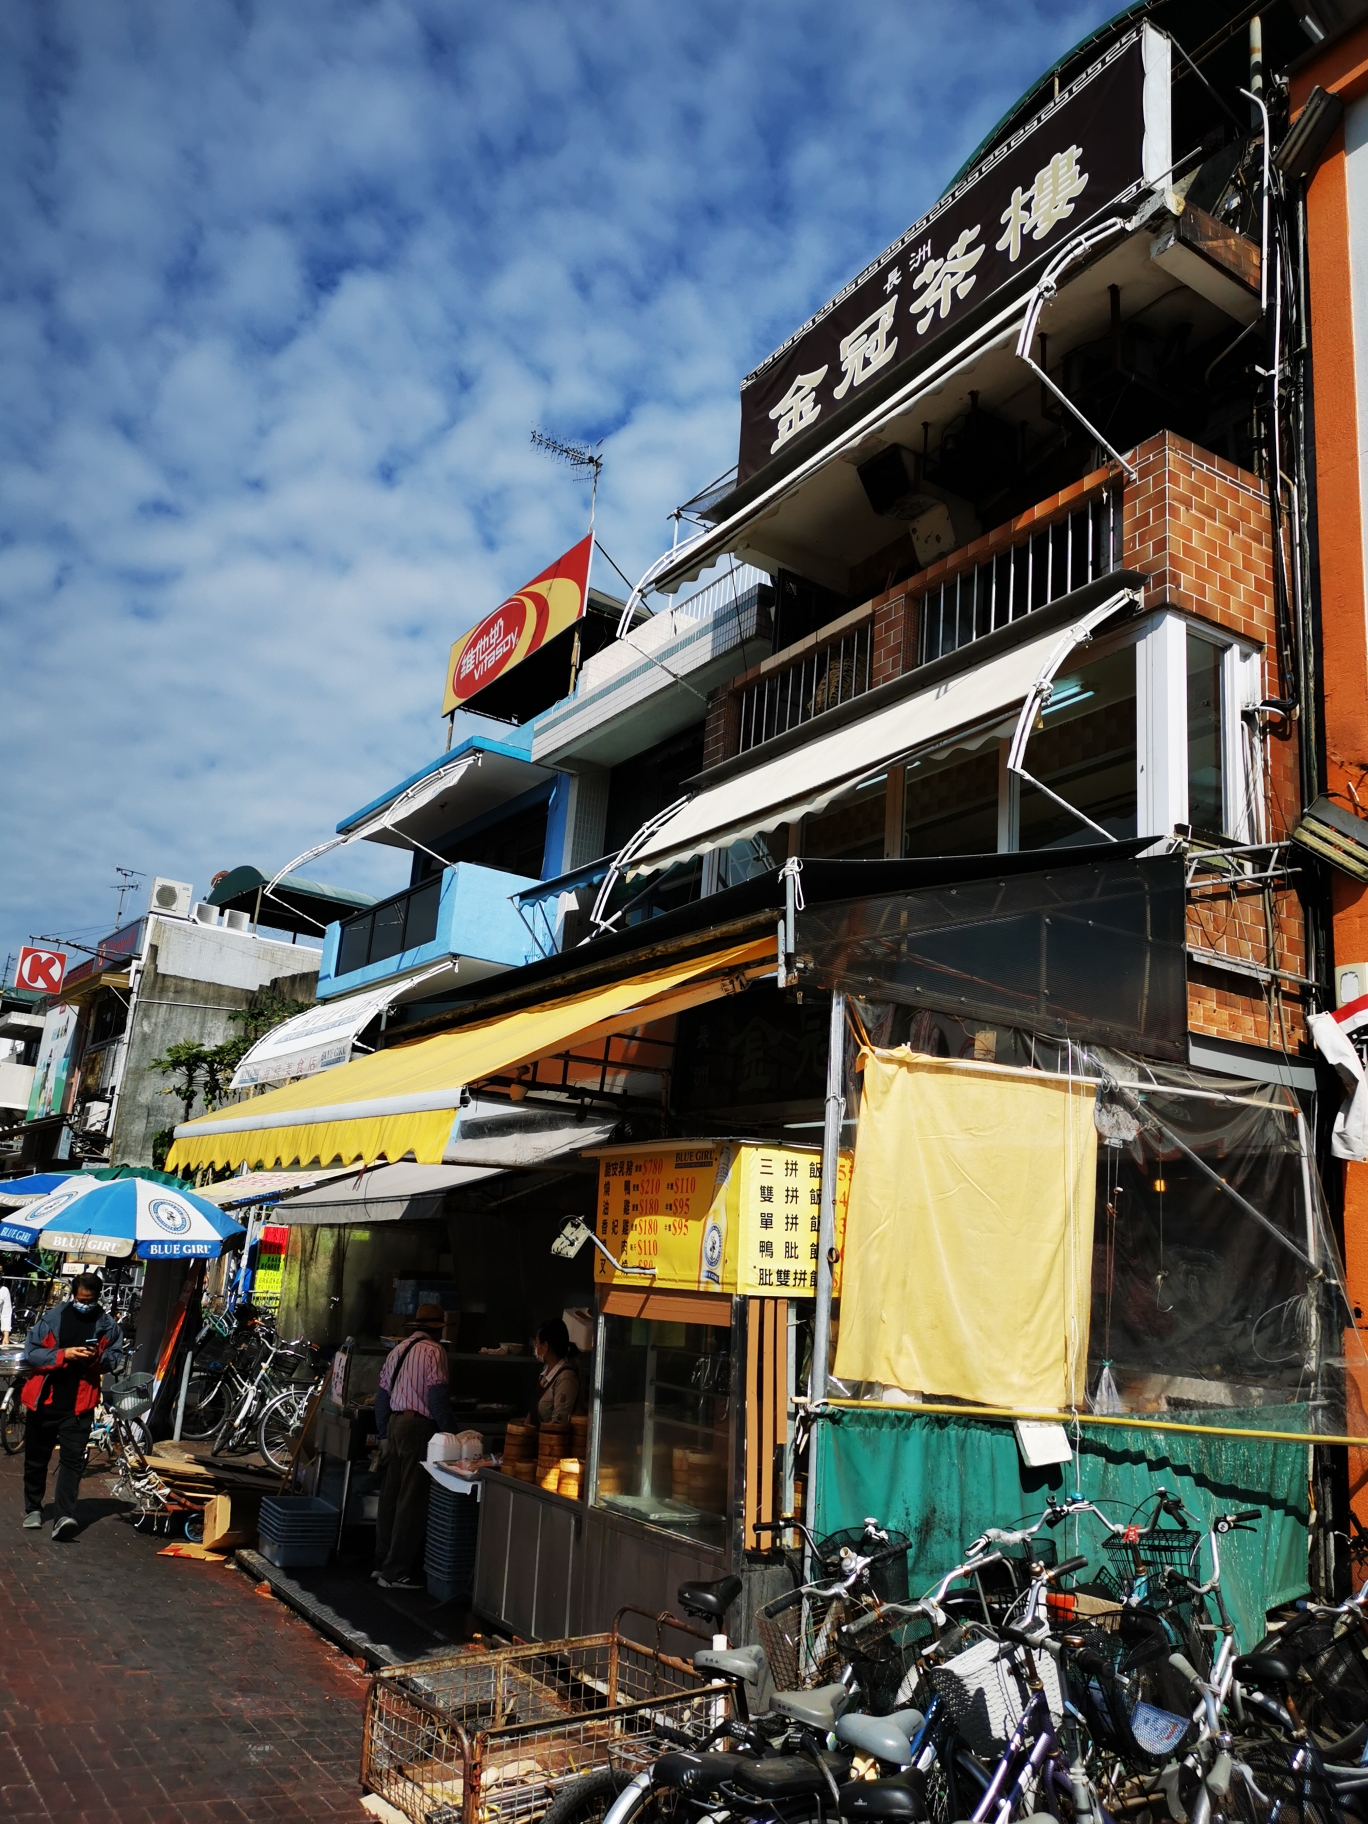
(490,1737)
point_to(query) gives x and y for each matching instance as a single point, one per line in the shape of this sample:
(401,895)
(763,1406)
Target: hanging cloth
(968,1245)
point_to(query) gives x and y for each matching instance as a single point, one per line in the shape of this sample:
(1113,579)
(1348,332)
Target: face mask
(90,1310)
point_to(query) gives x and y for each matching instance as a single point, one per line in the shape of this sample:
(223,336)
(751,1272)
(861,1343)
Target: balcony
(1065,542)
(466,914)
(655,681)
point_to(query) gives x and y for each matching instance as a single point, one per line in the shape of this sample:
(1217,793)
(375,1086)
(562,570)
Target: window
(665,1426)
(950,804)
(399,924)
(1085,751)
(1205,736)
(851,829)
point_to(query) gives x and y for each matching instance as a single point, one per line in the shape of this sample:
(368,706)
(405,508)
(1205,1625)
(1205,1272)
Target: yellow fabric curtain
(968,1246)
(403,1099)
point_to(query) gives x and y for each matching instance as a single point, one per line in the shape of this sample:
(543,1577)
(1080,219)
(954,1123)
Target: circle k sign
(40,969)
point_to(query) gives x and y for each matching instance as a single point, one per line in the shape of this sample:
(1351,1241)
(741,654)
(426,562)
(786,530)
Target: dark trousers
(401,1517)
(68,1433)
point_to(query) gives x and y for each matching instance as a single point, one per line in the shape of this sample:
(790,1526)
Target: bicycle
(237,1431)
(13,1415)
(282,1420)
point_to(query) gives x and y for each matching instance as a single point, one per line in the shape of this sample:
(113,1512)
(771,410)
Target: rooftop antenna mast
(125,886)
(583,458)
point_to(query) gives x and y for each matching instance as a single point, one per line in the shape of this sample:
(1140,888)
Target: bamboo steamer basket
(569,1483)
(579,1434)
(550,1478)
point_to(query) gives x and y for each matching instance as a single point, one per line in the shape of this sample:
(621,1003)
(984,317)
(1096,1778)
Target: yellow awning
(403,1100)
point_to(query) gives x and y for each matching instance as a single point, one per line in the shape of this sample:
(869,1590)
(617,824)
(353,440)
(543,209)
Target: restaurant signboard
(520,626)
(716,1216)
(1104,139)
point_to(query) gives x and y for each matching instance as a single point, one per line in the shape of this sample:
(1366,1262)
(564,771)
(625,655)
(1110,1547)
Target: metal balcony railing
(1039,568)
(830,674)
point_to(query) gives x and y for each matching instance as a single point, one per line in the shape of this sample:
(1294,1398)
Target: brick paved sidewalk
(143,1690)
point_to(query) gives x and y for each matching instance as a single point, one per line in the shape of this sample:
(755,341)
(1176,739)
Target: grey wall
(172,1004)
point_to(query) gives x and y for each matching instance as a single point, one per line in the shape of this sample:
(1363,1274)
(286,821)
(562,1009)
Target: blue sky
(285,290)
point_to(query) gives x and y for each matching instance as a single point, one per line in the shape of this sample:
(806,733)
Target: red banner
(539,611)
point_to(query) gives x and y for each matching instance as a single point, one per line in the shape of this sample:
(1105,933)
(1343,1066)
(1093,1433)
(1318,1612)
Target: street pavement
(136,1689)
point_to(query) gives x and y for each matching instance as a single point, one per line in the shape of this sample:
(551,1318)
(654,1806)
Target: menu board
(715,1216)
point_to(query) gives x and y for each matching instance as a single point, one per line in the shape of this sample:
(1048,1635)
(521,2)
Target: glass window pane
(1084,751)
(389,930)
(950,804)
(665,1433)
(851,829)
(1206,736)
(353,952)
(421,925)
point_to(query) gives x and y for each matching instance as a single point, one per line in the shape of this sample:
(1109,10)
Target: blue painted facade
(476,918)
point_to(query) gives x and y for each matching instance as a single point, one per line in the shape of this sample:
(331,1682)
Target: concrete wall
(191,979)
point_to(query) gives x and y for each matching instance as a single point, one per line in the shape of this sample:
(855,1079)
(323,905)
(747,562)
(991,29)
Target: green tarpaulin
(942,1480)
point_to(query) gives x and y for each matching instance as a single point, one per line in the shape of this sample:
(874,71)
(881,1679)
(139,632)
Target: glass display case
(665,1439)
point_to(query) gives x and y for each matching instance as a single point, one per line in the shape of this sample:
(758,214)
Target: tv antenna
(123,887)
(583,458)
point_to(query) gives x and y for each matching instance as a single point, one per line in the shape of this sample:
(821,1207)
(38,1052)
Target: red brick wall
(1198,527)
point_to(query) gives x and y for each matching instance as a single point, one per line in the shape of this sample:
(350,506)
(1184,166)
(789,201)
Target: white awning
(322,1037)
(264,1187)
(384,1193)
(965,710)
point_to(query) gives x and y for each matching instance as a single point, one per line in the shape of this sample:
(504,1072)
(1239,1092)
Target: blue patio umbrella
(121,1217)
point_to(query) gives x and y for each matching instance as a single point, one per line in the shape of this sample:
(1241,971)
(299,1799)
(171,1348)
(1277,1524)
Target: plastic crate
(298,1520)
(296,1555)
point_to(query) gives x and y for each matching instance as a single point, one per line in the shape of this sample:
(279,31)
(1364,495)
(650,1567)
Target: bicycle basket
(132,1396)
(801,1634)
(985,1691)
(888,1578)
(1134,1702)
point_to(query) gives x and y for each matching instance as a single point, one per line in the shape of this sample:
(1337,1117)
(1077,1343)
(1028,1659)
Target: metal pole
(184,1389)
(826,1234)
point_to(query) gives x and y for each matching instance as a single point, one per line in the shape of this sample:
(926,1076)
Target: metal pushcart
(476,1737)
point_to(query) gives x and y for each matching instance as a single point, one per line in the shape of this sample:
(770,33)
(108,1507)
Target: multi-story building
(999,707)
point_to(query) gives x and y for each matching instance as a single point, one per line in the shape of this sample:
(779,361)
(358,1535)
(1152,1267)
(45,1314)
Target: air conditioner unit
(171,897)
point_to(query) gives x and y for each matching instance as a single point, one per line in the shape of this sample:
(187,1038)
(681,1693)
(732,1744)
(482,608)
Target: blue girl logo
(168,1215)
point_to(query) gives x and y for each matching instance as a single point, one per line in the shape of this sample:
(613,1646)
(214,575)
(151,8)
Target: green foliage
(210,1067)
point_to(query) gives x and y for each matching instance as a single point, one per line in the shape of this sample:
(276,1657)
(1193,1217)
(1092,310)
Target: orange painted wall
(1341,70)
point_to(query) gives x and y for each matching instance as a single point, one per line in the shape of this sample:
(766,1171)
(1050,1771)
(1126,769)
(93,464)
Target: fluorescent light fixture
(1337,836)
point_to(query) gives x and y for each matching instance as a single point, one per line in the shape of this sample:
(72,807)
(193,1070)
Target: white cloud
(285,289)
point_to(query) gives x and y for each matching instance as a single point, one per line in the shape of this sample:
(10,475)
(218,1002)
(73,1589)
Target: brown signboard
(1106,138)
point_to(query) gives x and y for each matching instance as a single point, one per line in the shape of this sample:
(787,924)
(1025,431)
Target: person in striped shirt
(412,1403)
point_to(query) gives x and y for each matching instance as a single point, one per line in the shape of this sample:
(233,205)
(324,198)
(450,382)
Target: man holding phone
(66,1352)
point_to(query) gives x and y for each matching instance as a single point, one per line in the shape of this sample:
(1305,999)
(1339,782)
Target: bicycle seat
(1265,1668)
(696,1774)
(814,1709)
(737,1662)
(789,1776)
(886,1738)
(709,1600)
(900,1797)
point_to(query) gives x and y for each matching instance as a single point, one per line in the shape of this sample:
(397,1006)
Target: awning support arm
(1048,284)
(1080,634)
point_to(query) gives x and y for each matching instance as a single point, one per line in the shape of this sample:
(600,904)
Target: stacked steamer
(571,1478)
(520,1451)
(705,1481)
(553,1443)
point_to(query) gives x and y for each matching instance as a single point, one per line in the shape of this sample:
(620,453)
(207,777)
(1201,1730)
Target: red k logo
(40,969)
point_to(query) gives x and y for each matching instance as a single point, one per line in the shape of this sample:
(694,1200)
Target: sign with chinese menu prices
(539,611)
(1105,138)
(715,1216)
(40,969)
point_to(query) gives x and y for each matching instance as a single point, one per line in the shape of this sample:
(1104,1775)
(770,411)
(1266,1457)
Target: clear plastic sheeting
(1216,1279)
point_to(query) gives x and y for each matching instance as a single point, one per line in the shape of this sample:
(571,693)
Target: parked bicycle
(282,1421)
(250,1394)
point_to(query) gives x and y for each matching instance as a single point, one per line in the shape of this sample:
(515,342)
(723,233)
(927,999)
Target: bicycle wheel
(586,1800)
(281,1423)
(12,1424)
(206,1405)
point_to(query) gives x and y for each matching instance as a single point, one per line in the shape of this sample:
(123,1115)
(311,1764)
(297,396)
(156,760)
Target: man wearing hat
(412,1404)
